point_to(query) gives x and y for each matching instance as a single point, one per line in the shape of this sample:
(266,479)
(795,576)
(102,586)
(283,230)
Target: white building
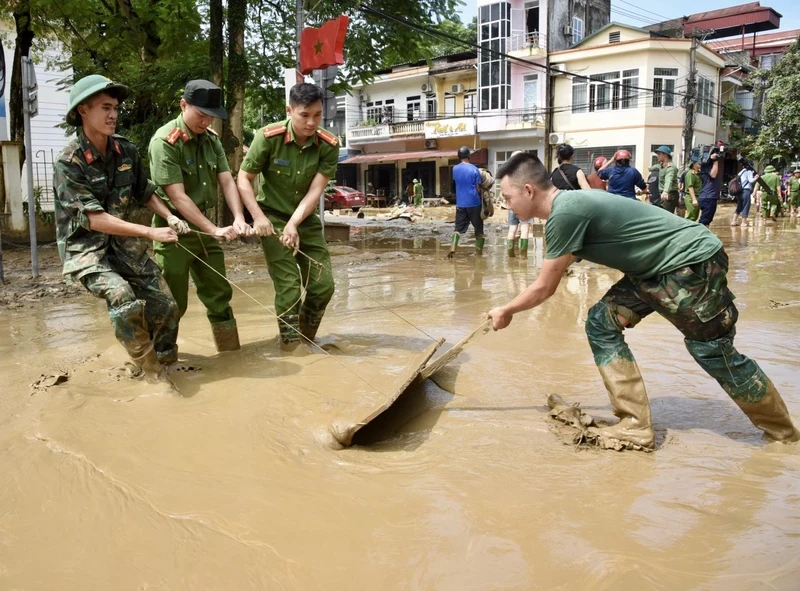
(609,111)
(47,138)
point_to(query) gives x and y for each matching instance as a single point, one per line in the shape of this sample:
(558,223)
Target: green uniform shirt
(773,181)
(794,187)
(286,167)
(87,181)
(692,180)
(638,239)
(179,156)
(667,178)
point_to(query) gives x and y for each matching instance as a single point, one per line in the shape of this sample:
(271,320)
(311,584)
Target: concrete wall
(595,13)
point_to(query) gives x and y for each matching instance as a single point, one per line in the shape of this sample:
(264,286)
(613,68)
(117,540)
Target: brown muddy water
(465,485)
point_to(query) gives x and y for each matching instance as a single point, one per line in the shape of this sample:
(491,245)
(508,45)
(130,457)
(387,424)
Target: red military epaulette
(328,137)
(88,156)
(117,149)
(211,131)
(273,130)
(174,135)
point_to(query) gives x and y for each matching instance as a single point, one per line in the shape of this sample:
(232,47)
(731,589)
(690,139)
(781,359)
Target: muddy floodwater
(465,485)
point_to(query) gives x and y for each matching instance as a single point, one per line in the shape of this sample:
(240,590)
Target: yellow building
(630,94)
(410,122)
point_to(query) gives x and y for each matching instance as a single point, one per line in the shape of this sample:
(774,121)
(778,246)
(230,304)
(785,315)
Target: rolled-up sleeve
(74,193)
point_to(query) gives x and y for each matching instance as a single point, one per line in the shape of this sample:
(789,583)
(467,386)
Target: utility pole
(689,104)
(30,108)
(299,29)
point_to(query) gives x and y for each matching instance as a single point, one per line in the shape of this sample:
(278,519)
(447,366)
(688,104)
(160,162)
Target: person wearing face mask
(295,158)
(99,181)
(187,162)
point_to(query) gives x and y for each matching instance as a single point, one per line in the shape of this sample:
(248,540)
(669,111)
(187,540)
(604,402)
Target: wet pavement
(463,485)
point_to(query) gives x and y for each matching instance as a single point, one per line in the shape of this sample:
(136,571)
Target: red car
(339,197)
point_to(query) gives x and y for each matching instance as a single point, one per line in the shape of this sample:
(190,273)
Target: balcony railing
(370,133)
(527,41)
(405,128)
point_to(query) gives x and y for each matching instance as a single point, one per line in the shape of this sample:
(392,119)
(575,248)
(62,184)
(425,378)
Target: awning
(394,156)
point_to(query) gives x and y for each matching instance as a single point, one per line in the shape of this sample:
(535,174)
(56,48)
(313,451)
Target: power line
(524,63)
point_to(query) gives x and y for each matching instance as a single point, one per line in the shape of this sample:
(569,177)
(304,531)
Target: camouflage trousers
(697,301)
(140,306)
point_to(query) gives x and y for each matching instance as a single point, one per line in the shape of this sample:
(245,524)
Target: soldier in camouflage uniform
(99,182)
(187,161)
(295,159)
(672,266)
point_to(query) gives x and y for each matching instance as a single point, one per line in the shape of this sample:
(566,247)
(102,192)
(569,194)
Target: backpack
(735,186)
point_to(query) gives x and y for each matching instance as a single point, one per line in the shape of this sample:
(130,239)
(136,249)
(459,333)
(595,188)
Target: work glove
(178,225)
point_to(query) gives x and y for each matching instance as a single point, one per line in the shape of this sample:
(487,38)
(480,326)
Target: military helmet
(87,87)
(464,152)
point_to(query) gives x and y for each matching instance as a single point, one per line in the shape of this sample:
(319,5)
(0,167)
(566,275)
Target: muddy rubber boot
(453,246)
(309,323)
(168,358)
(226,336)
(771,416)
(289,328)
(523,248)
(629,401)
(510,248)
(479,244)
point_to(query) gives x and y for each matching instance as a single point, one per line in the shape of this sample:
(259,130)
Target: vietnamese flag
(323,47)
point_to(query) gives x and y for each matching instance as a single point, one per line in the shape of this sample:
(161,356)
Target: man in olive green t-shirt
(692,185)
(295,159)
(770,200)
(667,179)
(794,191)
(672,266)
(187,162)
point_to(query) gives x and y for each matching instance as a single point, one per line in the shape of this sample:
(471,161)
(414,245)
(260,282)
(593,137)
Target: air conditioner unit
(528,117)
(457,89)
(558,69)
(430,144)
(567,30)
(556,138)
(426,88)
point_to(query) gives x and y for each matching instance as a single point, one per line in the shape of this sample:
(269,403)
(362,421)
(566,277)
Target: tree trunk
(22,48)
(216,37)
(233,130)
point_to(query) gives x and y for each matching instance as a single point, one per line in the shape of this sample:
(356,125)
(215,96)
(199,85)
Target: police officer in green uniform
(295,159)
(770,201)
(99,183)
(186,163)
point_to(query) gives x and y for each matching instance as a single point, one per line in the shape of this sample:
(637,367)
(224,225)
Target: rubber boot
(226,336)
(309,323)
(169,357)
(629,401)
(771,416)
(289,328)
(510,248)
(523,248)
(480,241)
(454,245)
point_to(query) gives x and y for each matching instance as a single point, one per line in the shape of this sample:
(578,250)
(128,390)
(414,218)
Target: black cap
(207,97)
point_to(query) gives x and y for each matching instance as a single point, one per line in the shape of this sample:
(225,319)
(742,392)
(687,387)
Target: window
(532,22)
(375,111)
(706,96)
(388,111)
(413,108)
(577,30)
(494,74)
(614,37)
(530,91)
(603,92)
(500,158)
(768,61)
(664,87)
(449,106)
(431,108)
(744,98)
(469,104)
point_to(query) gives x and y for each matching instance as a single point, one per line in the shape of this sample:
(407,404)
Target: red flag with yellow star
(323,47)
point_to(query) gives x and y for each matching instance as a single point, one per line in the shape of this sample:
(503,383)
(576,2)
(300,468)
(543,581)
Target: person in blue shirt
(622,177)
(711,175)
(467,179)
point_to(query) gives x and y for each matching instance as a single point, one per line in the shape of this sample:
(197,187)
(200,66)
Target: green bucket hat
(664,150)
(769,168)
(87,87)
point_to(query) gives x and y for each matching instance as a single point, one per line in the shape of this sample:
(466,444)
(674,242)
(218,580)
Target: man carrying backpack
(741,187)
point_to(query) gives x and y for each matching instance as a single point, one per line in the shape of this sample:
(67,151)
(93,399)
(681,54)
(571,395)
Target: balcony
(371,131)
(524,45)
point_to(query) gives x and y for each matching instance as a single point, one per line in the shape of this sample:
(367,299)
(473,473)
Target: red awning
(394,156)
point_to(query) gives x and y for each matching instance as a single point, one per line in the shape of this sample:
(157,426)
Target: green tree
(779,135)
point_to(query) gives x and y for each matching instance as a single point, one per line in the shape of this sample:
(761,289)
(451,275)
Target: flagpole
(299,19)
